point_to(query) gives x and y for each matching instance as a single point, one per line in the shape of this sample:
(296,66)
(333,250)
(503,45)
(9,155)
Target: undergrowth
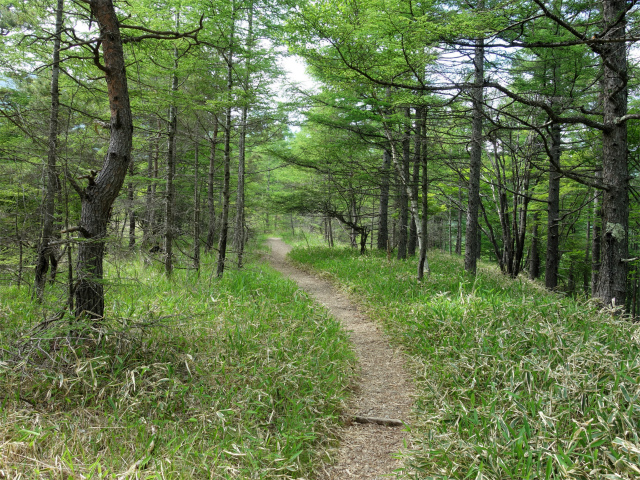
(516,382)
(187,378)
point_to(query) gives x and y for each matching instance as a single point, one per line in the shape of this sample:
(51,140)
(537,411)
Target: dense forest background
(484,129)
(478,161)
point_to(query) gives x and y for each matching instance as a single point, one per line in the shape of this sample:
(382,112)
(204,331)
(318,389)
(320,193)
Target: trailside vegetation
(514,381)
(143,144)
(189,378)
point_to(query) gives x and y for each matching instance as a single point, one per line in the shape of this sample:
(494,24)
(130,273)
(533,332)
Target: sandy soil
(383,390)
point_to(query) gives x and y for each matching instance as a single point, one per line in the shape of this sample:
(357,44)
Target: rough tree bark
(472,246)
(612,281)
(102,190)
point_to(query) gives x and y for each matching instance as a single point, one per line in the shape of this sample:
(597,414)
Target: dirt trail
(383,390)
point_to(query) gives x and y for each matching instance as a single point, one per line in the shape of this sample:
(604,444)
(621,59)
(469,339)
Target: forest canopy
(488,129)
(467,171)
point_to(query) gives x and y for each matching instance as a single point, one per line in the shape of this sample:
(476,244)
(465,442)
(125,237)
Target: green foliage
(515,382)
(191,378)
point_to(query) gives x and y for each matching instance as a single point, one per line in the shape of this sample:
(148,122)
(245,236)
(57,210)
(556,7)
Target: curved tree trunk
(102,191)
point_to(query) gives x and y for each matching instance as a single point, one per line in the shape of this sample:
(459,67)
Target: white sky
(296,73)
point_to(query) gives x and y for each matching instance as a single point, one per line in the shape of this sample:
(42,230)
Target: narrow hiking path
(383,389)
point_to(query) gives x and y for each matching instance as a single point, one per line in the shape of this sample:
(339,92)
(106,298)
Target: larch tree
(46,257)
(98,197)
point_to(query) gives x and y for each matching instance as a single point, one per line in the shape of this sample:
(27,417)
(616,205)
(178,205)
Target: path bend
(383,389)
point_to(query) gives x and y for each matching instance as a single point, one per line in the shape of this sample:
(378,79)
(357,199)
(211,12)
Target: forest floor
(382,390)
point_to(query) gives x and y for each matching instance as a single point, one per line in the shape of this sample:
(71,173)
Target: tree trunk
(383,222)
(612,282)
(404,181)
(99,196)
(502,209)
(553,209)
(413,235)
(571,280)
(596,243)
(132,212)
(405,185)
(45,252)
(459,230)
(423,262)
(449,220)
(152,172)
(330,231)
(211,207)
(472,246)
(492,238)
(521,206)
(587,260)
(240,219)
(240,204)
(224,221)
(534,253)
(196,207)
(20,253)
(171,169)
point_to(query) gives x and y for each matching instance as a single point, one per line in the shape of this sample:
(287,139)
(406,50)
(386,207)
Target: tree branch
(160,34)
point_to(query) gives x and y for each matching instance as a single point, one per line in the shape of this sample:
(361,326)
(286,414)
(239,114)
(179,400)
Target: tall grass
(188,378)
(516,382)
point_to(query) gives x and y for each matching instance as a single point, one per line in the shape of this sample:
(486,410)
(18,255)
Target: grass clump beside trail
(516,382)
(191,378)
